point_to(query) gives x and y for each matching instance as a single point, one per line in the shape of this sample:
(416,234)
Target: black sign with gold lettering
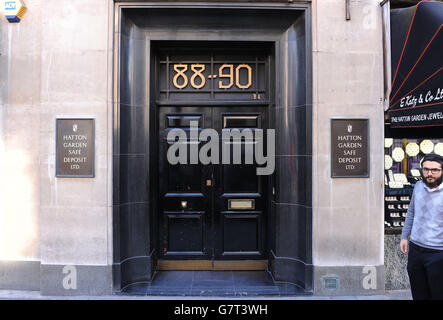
(75,148)
(349,148)
(218,75)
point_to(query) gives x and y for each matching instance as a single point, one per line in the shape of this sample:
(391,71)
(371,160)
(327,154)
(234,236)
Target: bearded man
(424,225)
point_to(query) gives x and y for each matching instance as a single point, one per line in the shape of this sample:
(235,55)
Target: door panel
(215,211)
(241,233)
(239,224)
(185,233)
(184,199)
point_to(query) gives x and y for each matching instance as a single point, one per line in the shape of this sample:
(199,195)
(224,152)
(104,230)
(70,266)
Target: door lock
(208,182)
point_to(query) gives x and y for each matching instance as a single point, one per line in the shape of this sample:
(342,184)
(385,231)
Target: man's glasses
(433,170)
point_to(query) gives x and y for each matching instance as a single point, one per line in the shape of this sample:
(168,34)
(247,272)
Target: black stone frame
(137,26)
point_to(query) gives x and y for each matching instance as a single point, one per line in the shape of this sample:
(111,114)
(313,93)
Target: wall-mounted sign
(75,148)
(13,9)
(349,148)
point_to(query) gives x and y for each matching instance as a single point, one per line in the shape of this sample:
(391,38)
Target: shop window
(402,164)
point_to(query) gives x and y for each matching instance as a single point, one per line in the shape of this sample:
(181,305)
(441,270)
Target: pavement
(35,295)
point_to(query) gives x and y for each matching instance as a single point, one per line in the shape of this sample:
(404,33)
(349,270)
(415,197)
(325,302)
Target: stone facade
(348,83)
(58,63)
(54,65)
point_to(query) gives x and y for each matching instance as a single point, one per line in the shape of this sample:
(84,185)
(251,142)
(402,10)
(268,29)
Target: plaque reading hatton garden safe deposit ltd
(75,148)
(349,148)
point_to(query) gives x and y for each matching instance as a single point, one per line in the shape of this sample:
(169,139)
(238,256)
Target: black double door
(211,212)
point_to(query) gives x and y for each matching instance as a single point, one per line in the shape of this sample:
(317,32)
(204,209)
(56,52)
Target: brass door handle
(208,182)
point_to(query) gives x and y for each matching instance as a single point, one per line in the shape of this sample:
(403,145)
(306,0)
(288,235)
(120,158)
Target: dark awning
(416,98)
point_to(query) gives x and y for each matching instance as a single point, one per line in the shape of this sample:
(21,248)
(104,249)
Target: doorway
(213,216)
(150,40)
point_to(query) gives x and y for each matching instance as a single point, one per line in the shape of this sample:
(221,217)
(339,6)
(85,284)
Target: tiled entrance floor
(213,283)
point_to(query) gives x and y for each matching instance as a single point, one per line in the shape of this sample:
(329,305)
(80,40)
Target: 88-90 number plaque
(214,76)
(180,70)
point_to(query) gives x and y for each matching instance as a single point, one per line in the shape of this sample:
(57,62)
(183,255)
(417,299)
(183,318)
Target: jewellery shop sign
(349,148)
(75,148)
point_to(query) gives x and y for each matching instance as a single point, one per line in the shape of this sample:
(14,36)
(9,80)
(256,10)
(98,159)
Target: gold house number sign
(225,71)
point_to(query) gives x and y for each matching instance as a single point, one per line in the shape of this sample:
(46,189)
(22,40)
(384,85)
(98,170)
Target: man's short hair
(433,157)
